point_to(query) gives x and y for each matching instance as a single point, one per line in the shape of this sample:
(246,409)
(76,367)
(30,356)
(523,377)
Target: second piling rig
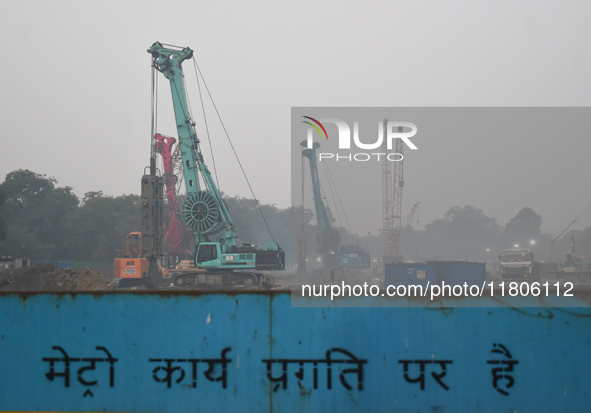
(328,237)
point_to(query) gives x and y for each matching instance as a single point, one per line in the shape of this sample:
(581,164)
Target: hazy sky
(75,83)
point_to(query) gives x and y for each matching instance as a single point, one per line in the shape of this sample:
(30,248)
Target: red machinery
(174,234)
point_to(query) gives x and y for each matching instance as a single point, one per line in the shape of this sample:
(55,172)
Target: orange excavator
(129,269)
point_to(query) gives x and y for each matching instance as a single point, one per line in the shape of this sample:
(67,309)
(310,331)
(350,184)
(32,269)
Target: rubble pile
(51,278)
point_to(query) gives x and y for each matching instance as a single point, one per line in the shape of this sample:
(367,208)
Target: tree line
(468,234)
(43,221)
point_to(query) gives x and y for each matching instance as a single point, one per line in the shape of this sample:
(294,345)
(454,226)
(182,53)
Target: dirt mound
(51,278)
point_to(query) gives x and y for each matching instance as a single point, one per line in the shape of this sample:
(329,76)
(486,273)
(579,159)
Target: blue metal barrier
(253,352)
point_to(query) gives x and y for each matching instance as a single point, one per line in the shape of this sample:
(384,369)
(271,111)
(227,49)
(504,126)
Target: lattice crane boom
(392,185)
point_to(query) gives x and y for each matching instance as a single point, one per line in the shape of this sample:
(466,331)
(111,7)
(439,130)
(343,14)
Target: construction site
(192,315)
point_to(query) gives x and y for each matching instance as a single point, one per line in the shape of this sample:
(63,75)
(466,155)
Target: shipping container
(436,272)
(459,272)
(410,274)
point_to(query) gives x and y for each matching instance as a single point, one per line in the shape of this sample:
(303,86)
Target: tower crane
(392,184)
